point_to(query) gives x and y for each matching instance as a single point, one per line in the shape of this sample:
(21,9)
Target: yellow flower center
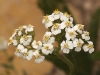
(46,38)
(25,53)
(66,14)
(29,26)
(79,44)
(10,40)
(66,45)
(46,19)
(37,56)
(56,26)
(80,26)
(20,28)
(14,31)
(68,24)
(25,37)
(86,33)
(17,50)
(47,47)
(90,46)
(56,11)
(71,33)
(37,43)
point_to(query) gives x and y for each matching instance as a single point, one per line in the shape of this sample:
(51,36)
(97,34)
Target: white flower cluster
(27,47)
(76,37)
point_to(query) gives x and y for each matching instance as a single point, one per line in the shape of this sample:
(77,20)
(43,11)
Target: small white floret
(38,57)
(36,44)
(66,46)
(47,49)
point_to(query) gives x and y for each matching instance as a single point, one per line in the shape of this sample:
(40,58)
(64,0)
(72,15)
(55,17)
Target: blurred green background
(14,13)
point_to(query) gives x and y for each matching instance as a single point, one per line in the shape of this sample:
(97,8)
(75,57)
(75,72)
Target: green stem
(68,62)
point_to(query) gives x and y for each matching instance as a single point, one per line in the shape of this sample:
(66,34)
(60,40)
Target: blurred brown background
(14,13)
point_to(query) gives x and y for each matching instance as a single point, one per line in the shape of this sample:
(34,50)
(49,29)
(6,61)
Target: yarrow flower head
(73,33)
(62,30)
(22,39)
(27,47)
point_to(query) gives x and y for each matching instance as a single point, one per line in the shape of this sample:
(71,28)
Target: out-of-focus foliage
(94,27)
(82,61)
(96,56)
(48,6)
(24,72)
(94,31)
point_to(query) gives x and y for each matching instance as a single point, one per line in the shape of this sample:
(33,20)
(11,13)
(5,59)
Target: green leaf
(58,62)
(94,27)
(48,6)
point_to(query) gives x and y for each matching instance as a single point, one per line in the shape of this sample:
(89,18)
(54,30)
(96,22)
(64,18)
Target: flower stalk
(67,61)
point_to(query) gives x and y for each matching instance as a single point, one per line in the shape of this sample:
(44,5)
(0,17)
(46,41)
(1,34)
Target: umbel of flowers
(57,23)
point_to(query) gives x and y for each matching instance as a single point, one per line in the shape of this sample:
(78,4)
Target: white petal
(52,39)
(35,52)
(85,48)
(49,24)
(44,51)
(75,42)
(90,42)
(66,51)
(15,42)
(87,38)
(48,33)
(19,33)
(71,19)
(91,50)
(39,60)
(29,57)
(83,36)
(56,17)
(21,40)
(25,43)
(62,25)
(20,47)
(51,46)
(67,36)
(78,49)
(70,44)
(51,51)
(18,54)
